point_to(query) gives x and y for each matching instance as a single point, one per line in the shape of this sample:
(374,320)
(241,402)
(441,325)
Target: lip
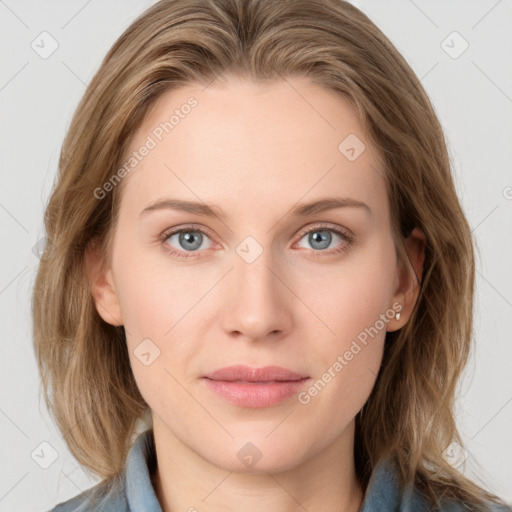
(246,386)
(245,373)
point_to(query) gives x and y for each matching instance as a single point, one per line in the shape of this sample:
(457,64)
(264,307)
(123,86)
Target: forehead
(256,142)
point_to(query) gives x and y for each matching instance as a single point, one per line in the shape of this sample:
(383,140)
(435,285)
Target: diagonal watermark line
(492,81)
(199,301)
(13,423)
(217,486)
(215,77)
(416,82)
(74,74)
(487,216)
(284,78)
(305,194)
(301,301)
(76,14)
(5,495)
(13,13)
(14,76)
(96,506)
(13,279)
(424,14)
(485,15)
(91,91)
(292,497)
(378,171)
(14,218)
(280,423)
(77,423)
(494,288)
(165,165)
(484,485)
(427,73)
(198,402)
(501,409)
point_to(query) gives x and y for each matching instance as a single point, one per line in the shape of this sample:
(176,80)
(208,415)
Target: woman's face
(264,281)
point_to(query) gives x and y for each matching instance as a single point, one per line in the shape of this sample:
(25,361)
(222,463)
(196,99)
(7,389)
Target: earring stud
(398,315)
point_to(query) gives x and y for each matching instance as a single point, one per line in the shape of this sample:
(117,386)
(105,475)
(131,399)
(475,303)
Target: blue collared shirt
(134,491)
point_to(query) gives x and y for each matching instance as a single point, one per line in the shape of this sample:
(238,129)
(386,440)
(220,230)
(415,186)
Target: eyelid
(186,227)
(327,226)
(344,232)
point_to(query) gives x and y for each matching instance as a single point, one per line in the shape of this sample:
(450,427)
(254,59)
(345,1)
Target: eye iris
(189,237)
(192,240)
(321,236)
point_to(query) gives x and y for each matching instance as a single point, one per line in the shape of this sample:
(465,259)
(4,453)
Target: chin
(255,454)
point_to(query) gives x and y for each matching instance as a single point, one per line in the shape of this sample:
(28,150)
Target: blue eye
(188,240)
(320,238)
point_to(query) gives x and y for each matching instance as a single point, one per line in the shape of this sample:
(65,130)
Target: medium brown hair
(88,384)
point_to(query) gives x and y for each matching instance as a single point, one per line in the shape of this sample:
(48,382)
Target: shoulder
(130,490)
(462,507)
(384,493)
(415,500)
(103,496)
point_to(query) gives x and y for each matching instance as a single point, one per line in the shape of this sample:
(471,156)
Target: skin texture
(255,150)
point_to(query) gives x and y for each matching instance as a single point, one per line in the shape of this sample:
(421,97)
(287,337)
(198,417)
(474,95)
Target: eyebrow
(299,210)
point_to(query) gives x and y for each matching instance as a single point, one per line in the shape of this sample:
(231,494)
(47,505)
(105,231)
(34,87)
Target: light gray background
(472,95)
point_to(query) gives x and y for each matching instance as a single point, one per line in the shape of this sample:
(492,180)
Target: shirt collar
(383,493)
(140,494)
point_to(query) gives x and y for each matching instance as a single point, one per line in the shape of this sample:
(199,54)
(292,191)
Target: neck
(184,480)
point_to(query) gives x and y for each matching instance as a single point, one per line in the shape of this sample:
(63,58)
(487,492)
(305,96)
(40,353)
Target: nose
(258,303)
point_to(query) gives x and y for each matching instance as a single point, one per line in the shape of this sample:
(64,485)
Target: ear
(409,279)
(102,285)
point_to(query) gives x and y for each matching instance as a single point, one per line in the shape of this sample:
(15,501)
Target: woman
(255,239)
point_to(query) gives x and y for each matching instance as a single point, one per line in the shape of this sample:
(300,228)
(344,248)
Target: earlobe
(410,278)
(102,286)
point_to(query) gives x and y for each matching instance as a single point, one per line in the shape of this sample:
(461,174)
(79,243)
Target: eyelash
(348,238)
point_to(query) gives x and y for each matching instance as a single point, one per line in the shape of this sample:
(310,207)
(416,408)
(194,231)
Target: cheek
(354,303)
(153,294)
(157,302)
(351,296)
(151,314)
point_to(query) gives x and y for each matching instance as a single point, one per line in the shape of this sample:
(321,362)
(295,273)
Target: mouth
(246,386)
